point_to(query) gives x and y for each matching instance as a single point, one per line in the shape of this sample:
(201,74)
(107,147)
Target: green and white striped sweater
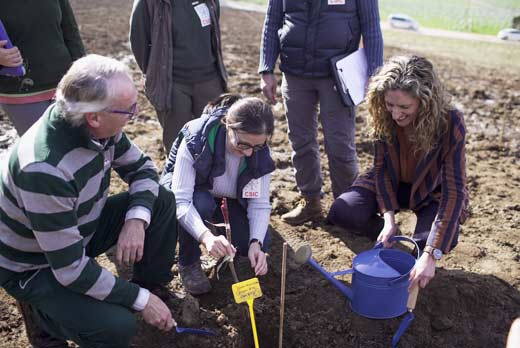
(53,189)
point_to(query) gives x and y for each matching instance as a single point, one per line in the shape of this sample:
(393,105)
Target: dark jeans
(209,210)
(357,210)
(89,322)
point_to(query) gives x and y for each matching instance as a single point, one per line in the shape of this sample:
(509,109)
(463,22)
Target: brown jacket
(151,41)
(440,176)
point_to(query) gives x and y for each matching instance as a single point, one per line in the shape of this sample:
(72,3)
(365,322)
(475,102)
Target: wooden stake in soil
(225,215)
(282,294)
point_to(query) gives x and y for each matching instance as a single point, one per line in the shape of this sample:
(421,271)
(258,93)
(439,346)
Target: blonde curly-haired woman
(419,164)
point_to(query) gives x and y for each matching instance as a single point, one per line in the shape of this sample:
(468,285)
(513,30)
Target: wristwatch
(435,253)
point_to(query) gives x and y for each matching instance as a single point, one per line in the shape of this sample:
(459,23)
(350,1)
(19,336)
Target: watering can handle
(400,239)
(403,239)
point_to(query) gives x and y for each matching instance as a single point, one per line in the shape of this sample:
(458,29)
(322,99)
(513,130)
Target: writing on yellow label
(246,290)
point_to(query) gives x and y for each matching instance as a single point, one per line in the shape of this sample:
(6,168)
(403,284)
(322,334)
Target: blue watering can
(380,280)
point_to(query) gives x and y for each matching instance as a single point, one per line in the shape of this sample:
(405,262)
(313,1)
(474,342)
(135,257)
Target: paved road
(384,25)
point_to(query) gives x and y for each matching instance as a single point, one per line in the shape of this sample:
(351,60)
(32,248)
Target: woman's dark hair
(222,101)
(248,115)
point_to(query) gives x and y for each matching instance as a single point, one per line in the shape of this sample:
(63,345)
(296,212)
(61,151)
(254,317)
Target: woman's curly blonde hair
(417,77)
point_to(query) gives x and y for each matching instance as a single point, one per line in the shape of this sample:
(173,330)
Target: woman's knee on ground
(347,215)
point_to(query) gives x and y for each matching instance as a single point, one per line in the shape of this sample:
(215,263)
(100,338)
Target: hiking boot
(307,209)
(38,338)
(194,279)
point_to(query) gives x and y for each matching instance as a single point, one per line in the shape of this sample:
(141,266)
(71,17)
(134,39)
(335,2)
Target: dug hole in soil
(474,296)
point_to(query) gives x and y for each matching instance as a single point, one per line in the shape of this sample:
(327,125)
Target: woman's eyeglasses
(131,112)
(246,146)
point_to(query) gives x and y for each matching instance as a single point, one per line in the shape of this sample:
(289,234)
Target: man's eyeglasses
(246,146)
(131,112)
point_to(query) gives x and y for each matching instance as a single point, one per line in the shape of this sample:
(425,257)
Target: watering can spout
(345,290)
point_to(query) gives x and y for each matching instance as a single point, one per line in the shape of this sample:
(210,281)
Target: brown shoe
(38,338)
(194,279)
(307,209)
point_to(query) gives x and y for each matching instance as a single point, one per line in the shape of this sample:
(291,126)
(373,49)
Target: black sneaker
(194,279)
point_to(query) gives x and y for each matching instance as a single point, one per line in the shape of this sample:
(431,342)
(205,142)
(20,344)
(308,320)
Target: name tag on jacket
(203,13)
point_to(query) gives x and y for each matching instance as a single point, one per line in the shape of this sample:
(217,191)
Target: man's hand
(257,259)
(268,86)
(423,271)
(9,57)
(130,245)
(157,313)
(217,246)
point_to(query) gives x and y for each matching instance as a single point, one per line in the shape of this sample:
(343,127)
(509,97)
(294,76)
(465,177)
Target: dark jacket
(306,34)
(151,41)
(205,138)
(48,38)
(440,176)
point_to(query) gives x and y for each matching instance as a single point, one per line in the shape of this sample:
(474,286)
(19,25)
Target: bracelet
(254,240)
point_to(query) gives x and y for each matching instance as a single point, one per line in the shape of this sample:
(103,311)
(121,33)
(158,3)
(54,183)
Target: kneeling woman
(223,153)
(419,164)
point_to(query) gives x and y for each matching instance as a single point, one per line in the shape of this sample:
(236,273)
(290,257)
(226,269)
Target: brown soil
(474,296)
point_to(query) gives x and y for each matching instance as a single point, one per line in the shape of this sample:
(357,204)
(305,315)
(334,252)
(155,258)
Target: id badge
(336,2)
(203,13)
(252,189)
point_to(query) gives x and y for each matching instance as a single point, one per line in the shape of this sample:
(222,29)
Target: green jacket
(53,189)
(47,35)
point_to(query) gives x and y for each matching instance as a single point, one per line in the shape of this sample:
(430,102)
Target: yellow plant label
(246,290)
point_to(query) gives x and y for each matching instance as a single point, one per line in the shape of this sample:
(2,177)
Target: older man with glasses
(56,217)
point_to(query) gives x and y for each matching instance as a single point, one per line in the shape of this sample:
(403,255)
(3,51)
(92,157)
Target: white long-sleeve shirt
(183,185)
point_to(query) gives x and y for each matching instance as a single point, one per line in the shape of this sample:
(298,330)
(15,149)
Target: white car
(509,34)
(402,21)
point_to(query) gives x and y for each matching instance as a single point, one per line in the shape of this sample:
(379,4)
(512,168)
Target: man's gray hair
(88,87)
